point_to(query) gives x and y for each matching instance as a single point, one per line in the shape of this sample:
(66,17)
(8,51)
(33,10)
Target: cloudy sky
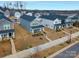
(47,5)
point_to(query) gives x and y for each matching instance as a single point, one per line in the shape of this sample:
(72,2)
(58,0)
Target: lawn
(5,48)
(70,30)
(24,39)
(52,34)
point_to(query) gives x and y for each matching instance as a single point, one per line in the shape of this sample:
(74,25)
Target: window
(6,27)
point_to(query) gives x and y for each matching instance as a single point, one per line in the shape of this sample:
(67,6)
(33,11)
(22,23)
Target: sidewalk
(47,38)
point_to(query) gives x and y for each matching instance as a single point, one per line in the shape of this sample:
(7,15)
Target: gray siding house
(31,23)
(6,28)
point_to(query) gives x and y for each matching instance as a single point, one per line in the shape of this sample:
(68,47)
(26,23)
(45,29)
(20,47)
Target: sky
(48,5)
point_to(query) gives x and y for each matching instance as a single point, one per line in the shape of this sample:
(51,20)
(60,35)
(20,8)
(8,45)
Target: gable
(57,21)
(36,21)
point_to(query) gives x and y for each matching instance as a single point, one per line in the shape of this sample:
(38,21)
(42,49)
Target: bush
(30,46)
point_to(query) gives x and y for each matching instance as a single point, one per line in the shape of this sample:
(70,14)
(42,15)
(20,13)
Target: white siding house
(55,22)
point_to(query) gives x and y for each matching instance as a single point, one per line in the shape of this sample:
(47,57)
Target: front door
(10,34)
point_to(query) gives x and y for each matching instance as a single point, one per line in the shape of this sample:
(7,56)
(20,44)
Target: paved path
(76,28)
(31,51)
(47,38)
(71,52)
(13,46)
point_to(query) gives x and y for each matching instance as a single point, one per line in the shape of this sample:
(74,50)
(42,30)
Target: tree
(21,5)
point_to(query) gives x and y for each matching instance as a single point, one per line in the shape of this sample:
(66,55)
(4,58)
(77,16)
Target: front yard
(24,39)
(5,48)
(52,34)
(70,30)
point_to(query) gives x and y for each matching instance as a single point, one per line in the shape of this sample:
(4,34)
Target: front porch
(7,34)
(58,27)
(37,29)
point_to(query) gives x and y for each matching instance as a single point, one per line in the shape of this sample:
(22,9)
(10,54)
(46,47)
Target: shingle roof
(7,31)
(1,15)
(28,18)
(53,17)
(75,17)
(4,21)
(50,17)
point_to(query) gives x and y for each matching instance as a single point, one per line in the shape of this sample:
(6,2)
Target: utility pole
(70,39)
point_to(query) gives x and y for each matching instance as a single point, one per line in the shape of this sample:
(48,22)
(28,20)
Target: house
(31,23)
(6,28)
(7,13)
(75,18)
(47,21)
(55,22)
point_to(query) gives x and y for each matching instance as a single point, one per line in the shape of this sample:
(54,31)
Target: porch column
(32,31)
(0,37)
(7,35)
(43,29)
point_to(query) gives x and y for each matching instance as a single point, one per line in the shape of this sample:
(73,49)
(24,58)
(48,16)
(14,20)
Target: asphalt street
(72,52)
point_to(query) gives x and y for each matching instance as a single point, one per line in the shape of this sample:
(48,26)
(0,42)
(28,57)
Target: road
(71,52)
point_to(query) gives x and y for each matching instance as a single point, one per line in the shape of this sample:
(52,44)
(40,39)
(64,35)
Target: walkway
(13,46)
(47,37)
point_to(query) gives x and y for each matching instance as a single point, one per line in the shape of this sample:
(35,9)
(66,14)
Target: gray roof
(53,17)
(4,21)
(28,18)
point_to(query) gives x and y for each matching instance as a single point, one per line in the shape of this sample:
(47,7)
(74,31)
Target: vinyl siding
(47,23)
(25,24)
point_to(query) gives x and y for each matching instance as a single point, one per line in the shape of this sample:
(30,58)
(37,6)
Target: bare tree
(21,5)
